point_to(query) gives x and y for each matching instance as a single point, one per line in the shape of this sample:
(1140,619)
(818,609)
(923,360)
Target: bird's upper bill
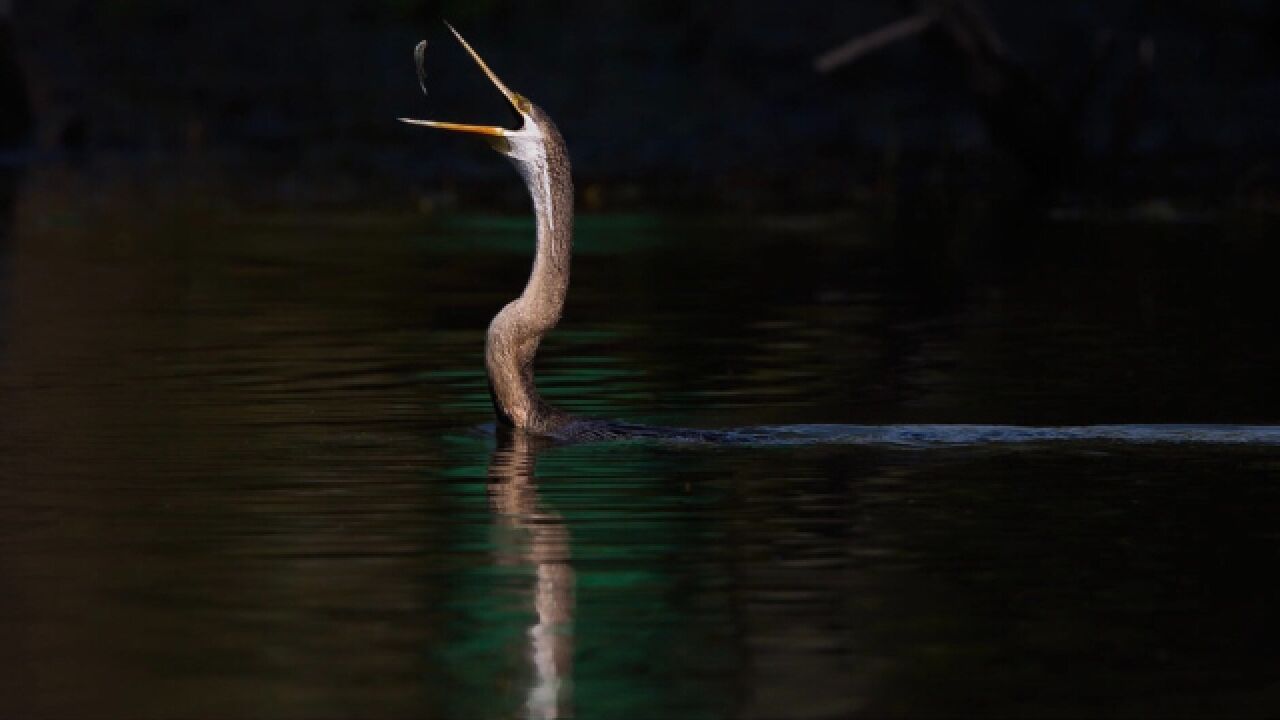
(518,103)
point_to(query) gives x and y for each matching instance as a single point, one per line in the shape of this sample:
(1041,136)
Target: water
(244,473)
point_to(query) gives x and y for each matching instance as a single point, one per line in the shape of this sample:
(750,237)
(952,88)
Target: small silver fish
(419,54)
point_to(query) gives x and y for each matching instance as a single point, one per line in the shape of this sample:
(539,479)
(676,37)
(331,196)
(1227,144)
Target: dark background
(668,103)
(242,317)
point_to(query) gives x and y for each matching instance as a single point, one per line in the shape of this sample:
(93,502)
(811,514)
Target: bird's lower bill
(490,130)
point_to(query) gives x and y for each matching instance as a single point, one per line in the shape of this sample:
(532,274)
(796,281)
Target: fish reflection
(541,541)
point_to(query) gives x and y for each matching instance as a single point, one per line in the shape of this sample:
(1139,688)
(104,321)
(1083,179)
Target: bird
(538,152)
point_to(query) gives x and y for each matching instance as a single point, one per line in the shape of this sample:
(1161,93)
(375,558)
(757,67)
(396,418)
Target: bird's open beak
(518,103)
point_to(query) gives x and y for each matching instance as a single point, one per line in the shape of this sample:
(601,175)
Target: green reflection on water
(619,526)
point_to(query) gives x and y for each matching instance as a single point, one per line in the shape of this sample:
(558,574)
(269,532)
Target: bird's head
(523,144)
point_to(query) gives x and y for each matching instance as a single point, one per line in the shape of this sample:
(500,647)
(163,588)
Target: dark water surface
(241,476)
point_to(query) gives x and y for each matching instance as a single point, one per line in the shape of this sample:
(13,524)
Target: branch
(874,40)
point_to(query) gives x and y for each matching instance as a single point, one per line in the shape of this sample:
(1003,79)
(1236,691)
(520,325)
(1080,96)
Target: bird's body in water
(539,154)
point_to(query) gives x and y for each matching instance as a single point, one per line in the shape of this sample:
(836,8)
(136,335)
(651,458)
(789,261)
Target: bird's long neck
(517,329)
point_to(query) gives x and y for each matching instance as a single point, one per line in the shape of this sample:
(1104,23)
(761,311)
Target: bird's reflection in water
(540,540)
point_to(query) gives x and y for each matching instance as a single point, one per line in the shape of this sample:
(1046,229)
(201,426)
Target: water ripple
(948,435)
